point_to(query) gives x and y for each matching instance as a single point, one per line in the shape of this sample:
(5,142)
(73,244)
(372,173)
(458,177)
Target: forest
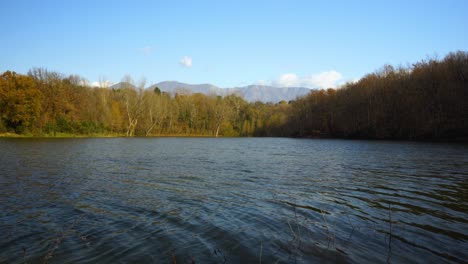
(425,101)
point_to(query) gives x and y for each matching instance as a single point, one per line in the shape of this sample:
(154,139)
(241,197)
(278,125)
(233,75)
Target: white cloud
(186,61)
(147,50)
(353,80)
(287,80)
(348,81)
(84,83)
(325,79)
(102,84)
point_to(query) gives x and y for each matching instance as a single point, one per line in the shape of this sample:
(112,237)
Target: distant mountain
(250,93)
(122,85)
(273,94)
(173,87)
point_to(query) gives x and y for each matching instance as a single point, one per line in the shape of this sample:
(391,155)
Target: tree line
(428,100)
(47,103)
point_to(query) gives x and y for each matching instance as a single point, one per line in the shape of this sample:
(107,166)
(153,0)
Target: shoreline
(66,135)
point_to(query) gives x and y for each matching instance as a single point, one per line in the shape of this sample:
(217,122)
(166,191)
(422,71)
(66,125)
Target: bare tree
(134,103)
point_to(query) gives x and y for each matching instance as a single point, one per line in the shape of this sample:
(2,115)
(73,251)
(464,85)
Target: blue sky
(228,43)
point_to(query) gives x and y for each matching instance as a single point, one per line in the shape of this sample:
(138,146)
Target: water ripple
(232,200)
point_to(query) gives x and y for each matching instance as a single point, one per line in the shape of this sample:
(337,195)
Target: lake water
(232,200)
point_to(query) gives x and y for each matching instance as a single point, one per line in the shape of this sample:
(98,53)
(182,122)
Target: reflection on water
(232,200)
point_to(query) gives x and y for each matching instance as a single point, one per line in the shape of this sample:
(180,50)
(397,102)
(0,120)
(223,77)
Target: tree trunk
(131,128)
(149,129)
(217,130)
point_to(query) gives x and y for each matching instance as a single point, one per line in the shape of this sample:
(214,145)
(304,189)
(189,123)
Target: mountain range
(251,93)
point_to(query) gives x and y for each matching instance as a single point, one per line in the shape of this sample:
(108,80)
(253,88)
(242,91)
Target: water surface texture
(232,200)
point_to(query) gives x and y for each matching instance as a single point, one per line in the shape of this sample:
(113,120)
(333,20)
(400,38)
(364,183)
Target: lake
(232,200)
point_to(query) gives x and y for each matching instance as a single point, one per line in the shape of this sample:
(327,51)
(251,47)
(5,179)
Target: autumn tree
(426,100)
(20,101)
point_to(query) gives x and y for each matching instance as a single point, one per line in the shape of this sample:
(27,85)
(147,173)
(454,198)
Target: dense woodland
(428,100)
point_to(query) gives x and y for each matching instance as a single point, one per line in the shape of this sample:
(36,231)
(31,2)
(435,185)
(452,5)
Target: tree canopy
(428,100)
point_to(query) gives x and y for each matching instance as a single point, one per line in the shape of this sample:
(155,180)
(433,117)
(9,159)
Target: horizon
(192,84)
(298,44)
